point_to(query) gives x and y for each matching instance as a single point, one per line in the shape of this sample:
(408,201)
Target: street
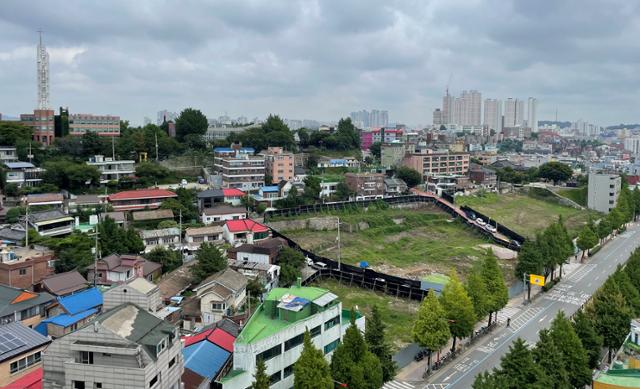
(526,320)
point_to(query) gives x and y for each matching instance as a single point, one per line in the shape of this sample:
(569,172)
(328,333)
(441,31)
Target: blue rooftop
(205,358)
(245,150)
(81,301)
(63,320)
(19,165)
(270,188)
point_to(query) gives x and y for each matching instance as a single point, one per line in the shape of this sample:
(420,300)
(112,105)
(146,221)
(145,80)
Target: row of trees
(552,171)
(567,352)
(346,137)
(455,312)
(358,362)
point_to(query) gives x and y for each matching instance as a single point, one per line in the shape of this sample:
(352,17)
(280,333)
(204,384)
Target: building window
(293,342)
(315,331)
(30,312)
(22,272)
(270,353)
(25,363)
(153,381)
(331,346)
(218,307)
(86,357)
(332,322)
(287,371)
(161,346)
(275,377)
(172,362)
(97,385)
(78,385)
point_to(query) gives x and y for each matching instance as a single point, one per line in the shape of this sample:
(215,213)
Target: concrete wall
(117,295)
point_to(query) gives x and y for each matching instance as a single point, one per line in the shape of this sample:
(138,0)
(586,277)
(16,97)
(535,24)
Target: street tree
(591,341)
(431,329)
(497,291)
(587,239)
(530,261)
(311,369)
(549,357)
(518,369)
(603,229)
(477,291)
(628,290)
(375,337)
(459,309)
(574,355)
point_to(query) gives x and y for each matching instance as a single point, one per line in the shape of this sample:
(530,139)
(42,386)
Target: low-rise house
(208,354)
(51,223)
(195,236)
(117,216)
(245,231)
(116,269)
(233,196)
(156,215)
(13,235)
(365,185)
(345,162)
(23,174)
(268,194)
(210,198)
(266,274)
(482,176)
(8,154)
(222,213)
(112,170)
(137,291)
(20,354)
(174,283)
(221,294)
(24,267)
(168,238)
(328,188)
(126,347)
(62,284)
(89,203)
(71,312)
(45,199)
(22,305)
(140,199)
(394,187)
(265,251)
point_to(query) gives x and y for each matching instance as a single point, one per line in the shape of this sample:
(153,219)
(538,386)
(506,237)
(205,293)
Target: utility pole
(95,256)
(26,227)
(156,136)
(181,242)
(339,253)
(113,148)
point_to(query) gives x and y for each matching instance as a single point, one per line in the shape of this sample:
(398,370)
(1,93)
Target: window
(51,263)
(97,385)
(30,312)
(24,363)
(275,378)
(332,322)
(293,342)
(78,385)
(287,371)
(161,346)
(172,362)
(22,272)
(315,331)
(331,346)
(218,307)
(153,381)
(86,357)
(270,353)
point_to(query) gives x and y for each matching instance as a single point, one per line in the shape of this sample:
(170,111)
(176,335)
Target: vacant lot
(397,314)
(405,242)
(525,214)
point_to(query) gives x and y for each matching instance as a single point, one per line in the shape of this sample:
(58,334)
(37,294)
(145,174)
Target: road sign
(535,279)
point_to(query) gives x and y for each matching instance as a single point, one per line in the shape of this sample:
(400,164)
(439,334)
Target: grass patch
(526,214)
(577,195)
(397,314)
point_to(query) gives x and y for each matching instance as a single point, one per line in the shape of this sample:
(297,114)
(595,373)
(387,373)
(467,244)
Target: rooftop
(152,215)
(622,378)
(194,231)
(45,216)
(19,165)
(64,283)
(142,194)
(36,198)
(232,192)
(81,301)
(223,210)
(15,339)
(142,285)
(13,299)
(146,234)
(245,225)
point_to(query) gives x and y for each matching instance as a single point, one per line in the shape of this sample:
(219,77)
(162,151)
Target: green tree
(530,261)
(291,262)
(116,240)
(431,329)
(549,357)
(518,370)
(375,337)
(67,174)
(603,229)
(628,290)
(410,176)
(591,341)
(459,309)
(616,219)
(376,150)
(260,378)
(497,292)
(13,214)
(311,369)
(210,260)
(343,192)
(490,380)
(191,121)
(555,171)
(312,188)
(587,239)
(152,173)
(169,259)
(72,251)
(353,364)
(574,355)
(303,135)
(477,291)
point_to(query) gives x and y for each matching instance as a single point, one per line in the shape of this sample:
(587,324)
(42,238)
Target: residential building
(210,198)
(196,236)
(112,169)
(482,176)
(23,174)
(268,194)
(207,356)
(266,274)
(13,235)
(51,223)
(153,216)
(391,154)
(221,294)
(88,203)
(513,113)
(139,199)
(632,144)
(42,123)
(493,114)
(138,291)
(126,347)
(603,191)
(365,185)
(169,238)
(102,125)
(71,312)
(438,118)
(265,251)
(117,268)
(239,168)
(62,284)
(624,370)
(387,135)
(22,305)
(345,162)
(394,186)
(222,213)
(245,231)
(55,200)
(278,164)
(21,354)
(8,154)
(432,164)
(275,333)
(471,108)
(328,188)
(366,140)
(24,267)
(532,114)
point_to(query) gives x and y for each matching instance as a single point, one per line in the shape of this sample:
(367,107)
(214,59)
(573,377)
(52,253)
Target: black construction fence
(473,214)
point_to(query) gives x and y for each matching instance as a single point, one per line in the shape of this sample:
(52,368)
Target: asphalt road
(568,295)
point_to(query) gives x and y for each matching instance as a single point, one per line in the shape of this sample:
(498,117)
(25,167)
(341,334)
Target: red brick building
(365,185)
(22,267)
(42,122)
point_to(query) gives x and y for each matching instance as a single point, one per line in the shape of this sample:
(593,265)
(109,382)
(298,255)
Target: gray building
(138,291)
(603,191)
(126,347)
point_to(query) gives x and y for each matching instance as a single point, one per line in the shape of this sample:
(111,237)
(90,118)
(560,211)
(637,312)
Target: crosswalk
(507,312)
(581,272)
(397,385)
(524,318)
(436,386)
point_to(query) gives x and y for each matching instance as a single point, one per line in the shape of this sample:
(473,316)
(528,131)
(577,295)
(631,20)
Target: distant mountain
(552,122)
(621,126)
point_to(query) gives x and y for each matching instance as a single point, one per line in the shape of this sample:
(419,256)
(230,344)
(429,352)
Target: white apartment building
(532,114)
(239,168)
(632,144)
(276,330)
(471,108)
(513,112)
(112,170)
(493,114)
(603,191)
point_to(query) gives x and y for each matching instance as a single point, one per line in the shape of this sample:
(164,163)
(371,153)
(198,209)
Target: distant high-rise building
(513,112)
(493,114)
(366,119)
(447,108)
(438,118)
(166,116)
(532,115)
(457,111)
(471,108)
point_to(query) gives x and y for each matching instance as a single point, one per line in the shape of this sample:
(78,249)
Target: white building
(276,330)
(603,191)
(471,108)
(8,154)
(513,112)
(222,213)
(532,114)
(112,170)
(632,144)
(493,114)
(168,238)
(221,294)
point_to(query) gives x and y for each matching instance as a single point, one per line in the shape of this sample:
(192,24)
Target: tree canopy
(375,337)
(431,329)
(555,171)
(190,122)
(210,260)
(410,176)
(311,369)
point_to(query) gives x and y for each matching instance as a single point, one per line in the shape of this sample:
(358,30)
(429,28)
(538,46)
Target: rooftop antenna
(449,83)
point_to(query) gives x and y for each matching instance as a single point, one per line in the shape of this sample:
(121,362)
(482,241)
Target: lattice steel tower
(43,75)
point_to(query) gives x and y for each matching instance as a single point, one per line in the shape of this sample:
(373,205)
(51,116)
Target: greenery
(311,369)
(291,262)
(114,239)
(509,146)
(346,137)
(587,239)
(591,341)
(430,328)
(376,150)
(210,261)
(458,308)
(72,251)
(555,171)
(169,259)
(411,177)
(260,378)
(577,195)
(185,203)
(376,340)
(497,291)
(66,174)
(190,122)
(273,132)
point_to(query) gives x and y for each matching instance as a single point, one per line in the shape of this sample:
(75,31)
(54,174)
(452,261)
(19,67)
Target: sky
(323,59)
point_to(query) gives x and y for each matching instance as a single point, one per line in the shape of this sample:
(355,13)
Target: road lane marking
(543,317)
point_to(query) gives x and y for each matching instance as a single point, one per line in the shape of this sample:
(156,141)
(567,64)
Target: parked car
(480,222)
(491,228)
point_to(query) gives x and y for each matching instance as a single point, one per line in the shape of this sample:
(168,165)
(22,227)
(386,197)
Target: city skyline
(127,63)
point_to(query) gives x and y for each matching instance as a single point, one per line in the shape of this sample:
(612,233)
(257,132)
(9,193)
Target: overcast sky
(323,59)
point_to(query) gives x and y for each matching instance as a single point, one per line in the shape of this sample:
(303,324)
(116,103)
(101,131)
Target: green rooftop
(626,378)
(437,278)
(263,323)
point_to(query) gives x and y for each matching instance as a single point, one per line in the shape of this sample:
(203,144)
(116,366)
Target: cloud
(322,59)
